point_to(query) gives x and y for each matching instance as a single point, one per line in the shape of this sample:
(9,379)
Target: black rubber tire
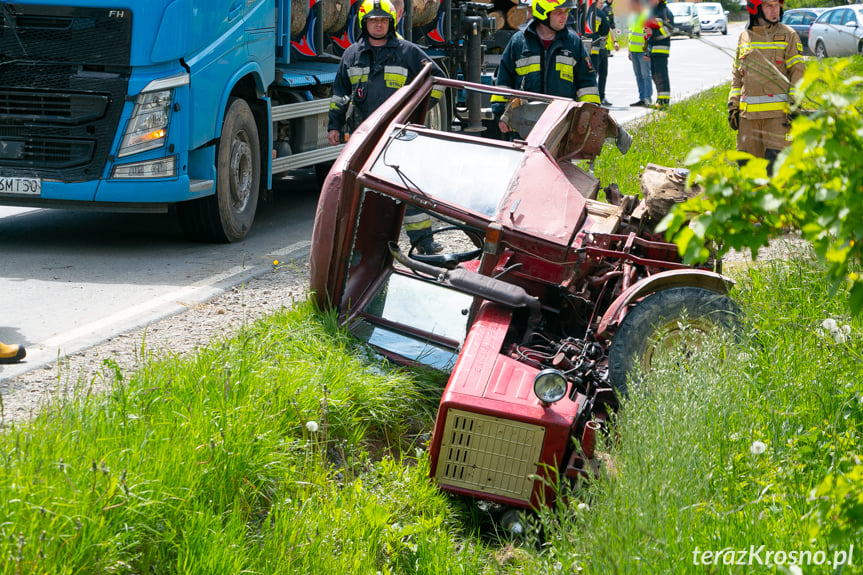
(322,170)
(632,345)
(227,215)
(820,50)
(725,31)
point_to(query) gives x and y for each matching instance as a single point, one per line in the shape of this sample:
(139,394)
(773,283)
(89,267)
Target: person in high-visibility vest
(661,25)
(766,69)
(640,61)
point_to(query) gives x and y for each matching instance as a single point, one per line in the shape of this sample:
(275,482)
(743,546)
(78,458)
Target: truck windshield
(473,176)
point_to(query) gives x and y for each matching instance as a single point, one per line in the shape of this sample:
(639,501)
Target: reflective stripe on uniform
(589,94)
(734,93)
(660,50)
(527,65)
(395,76)
(564,65)
(769,103)
(418,222)
(338,101)
(437,93)
(358,74)
(499,98)
(798,59)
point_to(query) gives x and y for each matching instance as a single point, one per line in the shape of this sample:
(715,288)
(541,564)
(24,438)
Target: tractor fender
(655,283)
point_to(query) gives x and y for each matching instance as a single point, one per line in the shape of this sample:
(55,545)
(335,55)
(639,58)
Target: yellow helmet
(541,8)
(376,9)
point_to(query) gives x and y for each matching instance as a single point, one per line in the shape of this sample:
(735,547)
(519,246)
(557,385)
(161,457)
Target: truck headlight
(148,126)
(549,385)
(161,168)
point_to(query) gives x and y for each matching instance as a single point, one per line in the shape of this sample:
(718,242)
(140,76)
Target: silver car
(838,32)
(685,18)
(714,18)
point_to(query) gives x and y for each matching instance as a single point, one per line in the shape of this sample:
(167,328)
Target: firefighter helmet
(377,9)
(542,8)
(753,5)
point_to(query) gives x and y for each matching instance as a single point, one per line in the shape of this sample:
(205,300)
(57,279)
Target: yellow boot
(11,353)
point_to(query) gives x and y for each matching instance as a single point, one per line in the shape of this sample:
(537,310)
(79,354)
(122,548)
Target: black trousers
(659,71)
(600,66)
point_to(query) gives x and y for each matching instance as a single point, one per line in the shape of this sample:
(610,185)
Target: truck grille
(64,74)
(489,454)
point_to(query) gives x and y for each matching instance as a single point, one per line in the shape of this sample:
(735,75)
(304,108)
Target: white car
(714,18)
(837,32)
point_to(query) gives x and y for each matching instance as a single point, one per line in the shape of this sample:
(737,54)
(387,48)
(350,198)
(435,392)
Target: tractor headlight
(148,126)
(549,385)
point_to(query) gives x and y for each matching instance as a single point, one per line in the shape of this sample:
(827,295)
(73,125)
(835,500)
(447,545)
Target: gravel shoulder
(180,334)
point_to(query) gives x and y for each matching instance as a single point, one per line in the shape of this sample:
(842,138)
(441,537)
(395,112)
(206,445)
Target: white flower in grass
(312,426)
(838,331)
(757,447)
(583,507)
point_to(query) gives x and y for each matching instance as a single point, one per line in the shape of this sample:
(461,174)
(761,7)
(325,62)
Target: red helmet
(752,5)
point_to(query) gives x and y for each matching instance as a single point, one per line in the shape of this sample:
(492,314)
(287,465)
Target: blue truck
(140,105)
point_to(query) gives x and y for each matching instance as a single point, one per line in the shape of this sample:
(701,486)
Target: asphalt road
(69,279)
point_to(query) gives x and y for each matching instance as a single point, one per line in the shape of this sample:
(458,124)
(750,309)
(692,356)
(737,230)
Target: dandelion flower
(275,262)
(757,447)
(312,426)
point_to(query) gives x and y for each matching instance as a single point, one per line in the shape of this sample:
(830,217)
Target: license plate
(22,186)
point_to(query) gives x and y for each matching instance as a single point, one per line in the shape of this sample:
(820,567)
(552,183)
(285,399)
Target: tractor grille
(489,454)
(64,74)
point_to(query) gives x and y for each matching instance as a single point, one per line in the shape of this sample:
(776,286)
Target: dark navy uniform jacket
(370,75)
(561,70)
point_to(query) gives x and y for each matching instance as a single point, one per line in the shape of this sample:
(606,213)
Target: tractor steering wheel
(448,261)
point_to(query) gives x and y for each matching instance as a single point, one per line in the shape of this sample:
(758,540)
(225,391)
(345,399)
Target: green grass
(666,137)
(685,476)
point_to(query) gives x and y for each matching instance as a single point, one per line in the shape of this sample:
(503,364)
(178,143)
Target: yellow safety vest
(636,33)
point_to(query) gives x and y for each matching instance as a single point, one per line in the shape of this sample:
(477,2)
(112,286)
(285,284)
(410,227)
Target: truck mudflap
(658,282)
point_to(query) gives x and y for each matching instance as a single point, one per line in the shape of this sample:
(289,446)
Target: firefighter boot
(770,155)
(418,228)
(11,353)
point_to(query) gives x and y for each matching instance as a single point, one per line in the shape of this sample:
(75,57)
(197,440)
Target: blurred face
(557,19)
(771,11)
(377,26)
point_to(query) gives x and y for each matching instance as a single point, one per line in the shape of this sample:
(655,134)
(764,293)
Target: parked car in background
(800,20)
(713,17)
(838,32)
(685,18)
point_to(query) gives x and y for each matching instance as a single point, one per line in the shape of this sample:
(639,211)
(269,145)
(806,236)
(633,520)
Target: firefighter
(546,57)
(637,55)
(370,71)
(11,353)
(767,67)
(660,24)
(598,32)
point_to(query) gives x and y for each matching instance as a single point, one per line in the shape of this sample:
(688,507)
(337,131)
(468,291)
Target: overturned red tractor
(551,306)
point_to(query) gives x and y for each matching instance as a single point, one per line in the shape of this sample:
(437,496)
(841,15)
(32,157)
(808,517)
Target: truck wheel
(227,216)
(660,323)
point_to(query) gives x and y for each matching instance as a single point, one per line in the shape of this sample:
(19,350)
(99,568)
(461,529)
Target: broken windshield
(471,175)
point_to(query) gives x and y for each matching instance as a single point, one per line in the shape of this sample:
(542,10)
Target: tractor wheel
(227,216)
(820,50)
(660,323)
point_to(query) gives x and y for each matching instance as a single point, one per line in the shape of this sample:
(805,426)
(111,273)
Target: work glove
(734,118)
